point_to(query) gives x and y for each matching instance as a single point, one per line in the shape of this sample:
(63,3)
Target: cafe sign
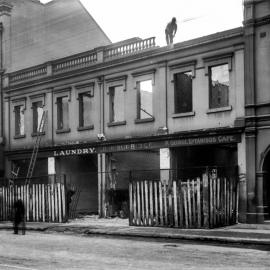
(205,140)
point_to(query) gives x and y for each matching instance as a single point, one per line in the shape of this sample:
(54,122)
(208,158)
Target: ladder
(36,148)
(14,174)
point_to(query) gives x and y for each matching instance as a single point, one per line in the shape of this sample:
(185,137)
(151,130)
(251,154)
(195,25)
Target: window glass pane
(145,99)
(183,92)
(117,104)
(85,105)
(19,120)
(37,115)
(219,86)
(65,113)
(62,113)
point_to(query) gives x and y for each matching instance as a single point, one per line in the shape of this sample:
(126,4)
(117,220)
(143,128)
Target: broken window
(85,105)
(183,92)
(62,113)
(117,103)
(145,99)
(19,120)
(37,115)
(219,86)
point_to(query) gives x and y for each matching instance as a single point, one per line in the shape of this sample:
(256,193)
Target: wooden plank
(142,202)
(63,187)
(33,202)
(193,203)
(165,205)
(170,209)
(151,202)
(198,187)
(139,203)
(185,207)
(43,202)
(211,212)
(228,201)
(189,204)
(180,204)
(161,204)
(59,202)
(130,204)
(146,203)
(205,201)
(36,202)
(218,201)
(39,203)
(225,202)
(49,202)
(175,208)
(156,203)
(214,202)
(56,202)
(135,203)
(52,202)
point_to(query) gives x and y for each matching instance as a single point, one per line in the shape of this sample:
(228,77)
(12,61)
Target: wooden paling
(196,203)
(40,206)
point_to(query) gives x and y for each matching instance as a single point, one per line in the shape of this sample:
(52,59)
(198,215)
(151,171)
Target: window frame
(35,99)
(62,93)
(112,82)
(214,61)
(182,67)
(81,90)
(141,76)
(21,102)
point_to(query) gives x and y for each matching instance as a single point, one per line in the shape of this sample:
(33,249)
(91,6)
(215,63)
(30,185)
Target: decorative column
(251,177)
(241,155)
(259,196)
(101,184)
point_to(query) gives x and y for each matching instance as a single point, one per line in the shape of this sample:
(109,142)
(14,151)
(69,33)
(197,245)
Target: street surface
(61,251)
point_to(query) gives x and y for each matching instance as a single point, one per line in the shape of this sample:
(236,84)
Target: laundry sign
(74,152)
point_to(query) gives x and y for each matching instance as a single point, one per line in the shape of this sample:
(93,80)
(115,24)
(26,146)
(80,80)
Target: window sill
(65,130)
(119,123)
(217,110)
(146,120)
(91,127)
(180,115)
(34,134)
(19,137)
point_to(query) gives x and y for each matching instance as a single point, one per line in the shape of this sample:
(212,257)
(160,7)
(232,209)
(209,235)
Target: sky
(124,19)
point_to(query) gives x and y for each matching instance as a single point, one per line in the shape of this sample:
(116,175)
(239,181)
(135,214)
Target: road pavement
(37,250)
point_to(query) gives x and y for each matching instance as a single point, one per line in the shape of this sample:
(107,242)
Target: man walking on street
(19,216)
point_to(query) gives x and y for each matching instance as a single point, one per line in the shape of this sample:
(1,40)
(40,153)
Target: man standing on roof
(170,31)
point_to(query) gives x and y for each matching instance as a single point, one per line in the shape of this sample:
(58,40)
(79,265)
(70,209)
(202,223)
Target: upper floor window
(85,106)
(145,99)
(219,85)
(37,115)
(19,120)
(183,92)
(62,113)
(117,103)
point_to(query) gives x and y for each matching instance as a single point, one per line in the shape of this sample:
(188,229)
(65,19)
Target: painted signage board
(205,140)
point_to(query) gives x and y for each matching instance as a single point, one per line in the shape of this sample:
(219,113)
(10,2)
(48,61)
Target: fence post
(205,200)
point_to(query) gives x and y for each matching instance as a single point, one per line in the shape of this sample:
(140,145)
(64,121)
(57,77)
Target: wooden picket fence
(43,202)
(197,203)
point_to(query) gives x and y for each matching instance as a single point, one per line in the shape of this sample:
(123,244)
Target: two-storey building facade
(130,107)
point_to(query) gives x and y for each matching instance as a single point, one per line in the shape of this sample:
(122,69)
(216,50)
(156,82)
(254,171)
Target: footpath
(250,234)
